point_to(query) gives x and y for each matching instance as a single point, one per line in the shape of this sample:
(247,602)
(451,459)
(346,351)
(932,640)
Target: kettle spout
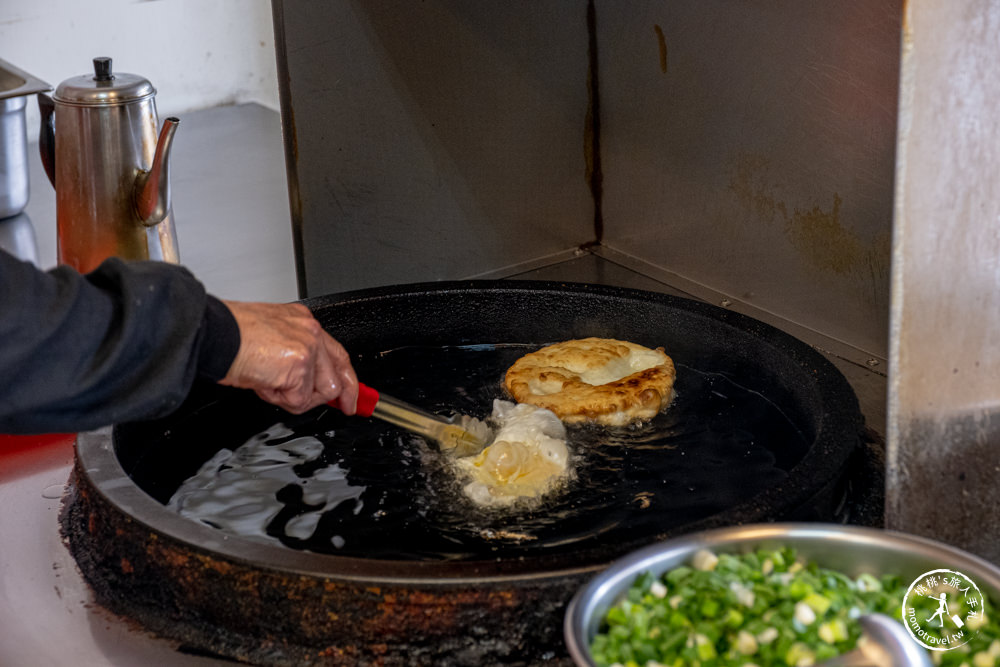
(152,188)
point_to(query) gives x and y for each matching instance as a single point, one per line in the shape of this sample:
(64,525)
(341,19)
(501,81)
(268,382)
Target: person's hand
(288,359)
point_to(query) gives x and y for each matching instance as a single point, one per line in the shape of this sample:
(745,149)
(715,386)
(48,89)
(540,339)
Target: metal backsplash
(748,147)
(432,140)
(740,151)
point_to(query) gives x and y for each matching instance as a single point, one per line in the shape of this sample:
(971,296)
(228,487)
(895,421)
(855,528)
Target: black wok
(445,570)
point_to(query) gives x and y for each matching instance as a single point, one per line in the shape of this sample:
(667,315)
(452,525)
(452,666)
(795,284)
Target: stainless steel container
(101,151)
(850,549)
(15,87)
(17,237)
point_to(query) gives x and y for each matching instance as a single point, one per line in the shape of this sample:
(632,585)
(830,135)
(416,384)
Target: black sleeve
(122,343)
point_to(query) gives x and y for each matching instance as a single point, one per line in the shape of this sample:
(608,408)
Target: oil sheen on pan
(354,487)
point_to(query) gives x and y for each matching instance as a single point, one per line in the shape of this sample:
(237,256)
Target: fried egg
(528,456)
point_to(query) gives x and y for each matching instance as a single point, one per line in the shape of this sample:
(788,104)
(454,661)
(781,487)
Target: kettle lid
(103,88)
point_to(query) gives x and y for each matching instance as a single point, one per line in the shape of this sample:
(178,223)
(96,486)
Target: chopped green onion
(767,609)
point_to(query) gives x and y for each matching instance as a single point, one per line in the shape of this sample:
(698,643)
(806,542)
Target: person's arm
(127,341)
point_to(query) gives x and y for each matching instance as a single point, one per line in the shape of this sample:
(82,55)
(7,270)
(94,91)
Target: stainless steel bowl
(850,549)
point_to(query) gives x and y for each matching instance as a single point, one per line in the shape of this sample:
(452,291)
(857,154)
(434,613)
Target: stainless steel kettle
(109,166)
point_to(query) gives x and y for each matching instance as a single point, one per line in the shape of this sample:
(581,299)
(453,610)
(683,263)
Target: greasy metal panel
(944,428)
(749,147)
(432,140)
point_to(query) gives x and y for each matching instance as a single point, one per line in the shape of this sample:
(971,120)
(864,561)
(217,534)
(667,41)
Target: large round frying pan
(762,428)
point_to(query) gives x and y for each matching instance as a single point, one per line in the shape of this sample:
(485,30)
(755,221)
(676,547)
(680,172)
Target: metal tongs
(885,643)
(460,435)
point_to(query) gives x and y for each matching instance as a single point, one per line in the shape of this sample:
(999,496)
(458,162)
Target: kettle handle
(47,136)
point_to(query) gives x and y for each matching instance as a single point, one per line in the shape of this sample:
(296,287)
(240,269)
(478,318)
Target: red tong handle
(367,399)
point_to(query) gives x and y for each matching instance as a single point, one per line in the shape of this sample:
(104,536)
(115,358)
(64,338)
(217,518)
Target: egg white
(527,458)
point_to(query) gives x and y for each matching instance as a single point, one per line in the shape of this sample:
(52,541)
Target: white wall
(197,53)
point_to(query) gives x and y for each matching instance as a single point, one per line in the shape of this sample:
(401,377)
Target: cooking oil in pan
(244,491)
(356,487)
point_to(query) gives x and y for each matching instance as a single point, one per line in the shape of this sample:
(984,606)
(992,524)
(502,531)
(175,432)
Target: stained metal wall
(748,147)
(432,140)
(745,149)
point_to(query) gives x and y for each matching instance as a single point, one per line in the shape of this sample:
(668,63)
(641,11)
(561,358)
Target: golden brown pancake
(600,380)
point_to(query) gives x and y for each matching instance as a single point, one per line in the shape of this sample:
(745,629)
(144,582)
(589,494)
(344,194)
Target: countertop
(233,226)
